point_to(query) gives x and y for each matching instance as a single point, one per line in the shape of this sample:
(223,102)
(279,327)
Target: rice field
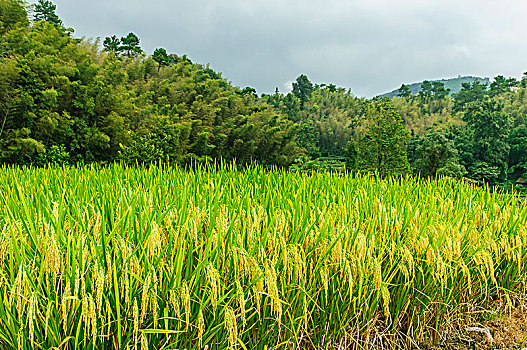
(217,258)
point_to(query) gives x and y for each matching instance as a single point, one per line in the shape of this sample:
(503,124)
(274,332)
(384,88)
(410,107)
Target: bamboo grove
(215,257)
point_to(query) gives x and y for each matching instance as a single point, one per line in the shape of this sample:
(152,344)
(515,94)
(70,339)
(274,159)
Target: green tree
(141,150)
(490,126)
(9,73)
(292,107)
(12,12)
(518,152)
(303,88)
(502,85)
(161,57)
(249,91)
(45,11)
(523,81)
(332,87)
(382,147)
(112,44)
(404,91)
(438,90)
(351,156)
(56,155)
(426,89)
(435,154)
(469,93)
(19,148)
(308,138)
(130,45)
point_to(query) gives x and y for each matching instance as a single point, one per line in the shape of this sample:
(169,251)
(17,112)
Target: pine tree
(130,45)
(112,44)
(161,57)
(404,91)
(45,11)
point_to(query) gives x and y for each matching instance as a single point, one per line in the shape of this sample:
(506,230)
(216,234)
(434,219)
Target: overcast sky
(370,46)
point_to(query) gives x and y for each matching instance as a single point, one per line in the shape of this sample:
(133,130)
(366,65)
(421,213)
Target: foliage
(322,164)
(325,123)
(502,85)
(490,126)
(302,88)
(112,44)
(12,13)
(518,152)
(484,124)
(382,146)
(404,91)
(57,91)
(161,57)
(352,154)
(19,147)
(435,154)
(54,155)
(469,93)
(454,85)
(45,11)
(427,112)
(130,45)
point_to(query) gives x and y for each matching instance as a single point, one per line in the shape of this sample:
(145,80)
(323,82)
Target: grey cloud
(369,46)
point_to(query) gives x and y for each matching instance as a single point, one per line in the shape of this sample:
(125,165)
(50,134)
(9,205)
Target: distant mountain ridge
(454,84)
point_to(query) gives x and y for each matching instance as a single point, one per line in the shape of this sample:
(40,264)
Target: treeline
(479,133)
(64,100)
(67,100)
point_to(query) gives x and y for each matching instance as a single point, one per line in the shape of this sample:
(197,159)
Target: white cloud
(288,87)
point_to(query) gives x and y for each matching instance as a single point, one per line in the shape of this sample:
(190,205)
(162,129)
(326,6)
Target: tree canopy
(63,100)
(130,45)
(161,57)
(382,146)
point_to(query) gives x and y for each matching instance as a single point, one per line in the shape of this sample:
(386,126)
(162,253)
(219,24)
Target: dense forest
(65,100)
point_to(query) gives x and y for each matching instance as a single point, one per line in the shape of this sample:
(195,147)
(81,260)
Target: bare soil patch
(507,330)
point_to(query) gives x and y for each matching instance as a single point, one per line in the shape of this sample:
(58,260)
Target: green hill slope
(64,100)
(454,84)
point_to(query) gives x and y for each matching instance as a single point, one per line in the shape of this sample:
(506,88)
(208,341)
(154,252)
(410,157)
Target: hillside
(64,100)
(454,84)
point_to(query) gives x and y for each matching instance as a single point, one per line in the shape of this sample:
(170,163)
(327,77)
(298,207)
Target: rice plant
(215,257)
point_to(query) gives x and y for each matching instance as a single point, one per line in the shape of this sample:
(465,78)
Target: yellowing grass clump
(131,258)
